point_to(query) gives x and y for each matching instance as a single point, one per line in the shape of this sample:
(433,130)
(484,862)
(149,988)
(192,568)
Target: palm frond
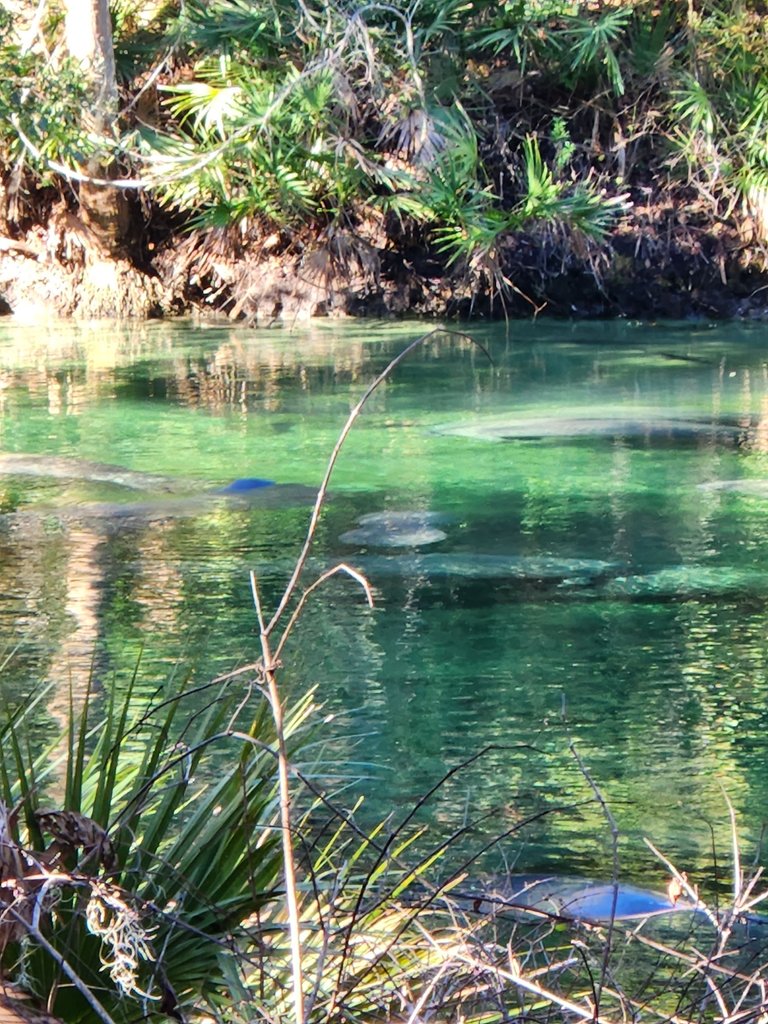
(194,851)
(593,43)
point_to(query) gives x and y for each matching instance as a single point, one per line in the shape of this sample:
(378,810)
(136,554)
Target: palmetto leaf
(521,28)
(693,105)
(542,192)
(209,109)
(593,43)
(580,207)
(195,848)
(755,106)
(652,43)
(232,24)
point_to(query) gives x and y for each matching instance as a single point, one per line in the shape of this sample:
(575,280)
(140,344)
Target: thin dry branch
(270,662)
(613,826)
(342,567)
(519,980)
(323,489)
(684,884)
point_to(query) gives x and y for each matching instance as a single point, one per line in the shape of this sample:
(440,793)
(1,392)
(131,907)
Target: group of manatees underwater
(390,545)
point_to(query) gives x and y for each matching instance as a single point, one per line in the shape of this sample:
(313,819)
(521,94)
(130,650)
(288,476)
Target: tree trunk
(89,40)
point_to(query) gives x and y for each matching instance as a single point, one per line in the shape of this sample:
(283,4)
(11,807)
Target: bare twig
(270,664)
(342,567)
(323,489)
(738,874)
(684,884)
(607,946)
(519,980)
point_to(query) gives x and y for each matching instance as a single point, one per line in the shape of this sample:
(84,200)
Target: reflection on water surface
(590,559)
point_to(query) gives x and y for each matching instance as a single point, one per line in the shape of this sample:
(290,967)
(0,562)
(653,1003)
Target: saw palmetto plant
(294,122)
(135,856)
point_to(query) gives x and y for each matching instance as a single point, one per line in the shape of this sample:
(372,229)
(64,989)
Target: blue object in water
(577,899)
(245,484)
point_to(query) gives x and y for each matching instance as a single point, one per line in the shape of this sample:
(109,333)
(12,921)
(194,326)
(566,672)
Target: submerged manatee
(577,425)
(526,897)
(686,582)
(397,529)
(61,467)
(751,488)
(375,537)
(185,497)
(274,496)
(467,566)
(404,518)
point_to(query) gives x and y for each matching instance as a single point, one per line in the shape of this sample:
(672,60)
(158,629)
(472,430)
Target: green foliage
(307,135)
(473,226)
(40,111)
(522,29)
(291,113)
(237,26)
(719,106)
(652,44)
(593,45)
(142,31)
(154,881)
(193,846)
(692,106)
(254,143)
(563,143)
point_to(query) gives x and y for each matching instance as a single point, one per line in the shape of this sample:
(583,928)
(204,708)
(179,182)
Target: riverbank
(575,160)
(660,262)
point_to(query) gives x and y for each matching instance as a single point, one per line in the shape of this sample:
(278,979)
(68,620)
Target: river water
(589,567)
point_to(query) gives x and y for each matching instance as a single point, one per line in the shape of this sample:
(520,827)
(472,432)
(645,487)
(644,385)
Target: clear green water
(661,683)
